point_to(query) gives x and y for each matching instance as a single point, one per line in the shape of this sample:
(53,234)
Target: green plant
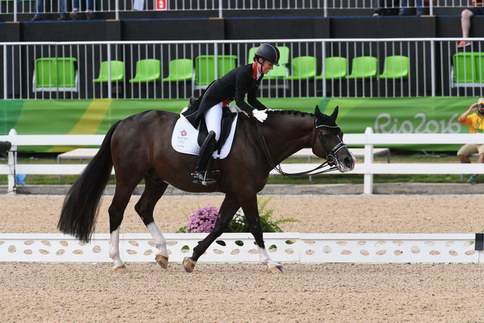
(239,222)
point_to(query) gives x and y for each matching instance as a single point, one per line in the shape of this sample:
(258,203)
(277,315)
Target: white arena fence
(305,248)
(368,168)
(387,67)
(218,7)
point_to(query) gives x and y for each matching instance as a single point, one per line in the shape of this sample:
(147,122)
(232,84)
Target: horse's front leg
(252,214)
(229,206)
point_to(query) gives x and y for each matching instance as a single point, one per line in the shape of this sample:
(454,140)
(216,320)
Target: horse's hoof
(119,268)
(275,270)
(162,261)
(189,264)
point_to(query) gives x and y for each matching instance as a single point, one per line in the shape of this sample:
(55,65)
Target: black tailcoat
(233,86)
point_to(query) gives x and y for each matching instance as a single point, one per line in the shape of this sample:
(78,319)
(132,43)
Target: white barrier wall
(240,247)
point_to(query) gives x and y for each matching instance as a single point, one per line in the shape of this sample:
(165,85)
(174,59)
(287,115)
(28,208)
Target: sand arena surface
(242,293)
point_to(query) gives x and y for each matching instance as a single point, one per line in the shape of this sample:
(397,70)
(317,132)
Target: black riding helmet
(268,52)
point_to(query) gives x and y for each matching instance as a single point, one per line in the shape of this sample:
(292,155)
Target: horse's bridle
(330,162)
(331,156)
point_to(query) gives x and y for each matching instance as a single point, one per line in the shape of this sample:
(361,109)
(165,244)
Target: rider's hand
(260,115)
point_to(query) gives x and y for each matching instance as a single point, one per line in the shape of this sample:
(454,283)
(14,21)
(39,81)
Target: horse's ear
(334,115)
(317,112)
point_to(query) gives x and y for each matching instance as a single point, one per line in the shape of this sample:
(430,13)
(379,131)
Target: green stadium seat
(206,71)
(303,68)
(117,72)
(226,63)
(45,73)
(363,67)
(395,67)
(55,74)
(468,67)
(147,70)
(335,68)
(278,72)
(180,70)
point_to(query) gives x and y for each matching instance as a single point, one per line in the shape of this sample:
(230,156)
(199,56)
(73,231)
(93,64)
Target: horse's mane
(291,112)
(323,119)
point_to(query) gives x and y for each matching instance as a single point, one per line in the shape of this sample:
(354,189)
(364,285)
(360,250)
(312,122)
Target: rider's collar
(255,71)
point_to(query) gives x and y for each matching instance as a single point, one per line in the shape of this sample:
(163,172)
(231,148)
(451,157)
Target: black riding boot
(202,174)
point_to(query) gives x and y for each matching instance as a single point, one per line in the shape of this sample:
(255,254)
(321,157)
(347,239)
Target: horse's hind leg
(145,207)
(123,192)
(229,206)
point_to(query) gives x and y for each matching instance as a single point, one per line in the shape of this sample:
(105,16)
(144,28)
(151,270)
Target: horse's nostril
(348,162)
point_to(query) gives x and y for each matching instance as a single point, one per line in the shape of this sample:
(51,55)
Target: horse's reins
(330,158)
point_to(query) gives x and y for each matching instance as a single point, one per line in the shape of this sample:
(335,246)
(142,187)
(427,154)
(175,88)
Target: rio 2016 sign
(385,123)
(161,4)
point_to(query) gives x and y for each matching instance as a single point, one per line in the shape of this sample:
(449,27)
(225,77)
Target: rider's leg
(213,119)
(202,173)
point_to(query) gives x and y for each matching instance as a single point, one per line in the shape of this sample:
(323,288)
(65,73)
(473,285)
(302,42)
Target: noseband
(325,167)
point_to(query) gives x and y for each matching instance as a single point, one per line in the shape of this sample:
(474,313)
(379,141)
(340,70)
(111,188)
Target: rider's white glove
(260,115)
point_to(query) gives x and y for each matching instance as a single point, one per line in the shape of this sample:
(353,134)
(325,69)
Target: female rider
(232,86)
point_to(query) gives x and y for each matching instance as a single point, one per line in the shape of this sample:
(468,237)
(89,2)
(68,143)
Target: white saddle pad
(184,138)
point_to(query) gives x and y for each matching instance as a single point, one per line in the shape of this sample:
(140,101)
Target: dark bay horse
(139,147)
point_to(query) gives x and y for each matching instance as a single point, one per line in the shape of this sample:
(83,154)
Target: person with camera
(474,118)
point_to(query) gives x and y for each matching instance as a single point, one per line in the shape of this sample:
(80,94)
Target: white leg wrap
(160,241)
(114,248)
(265,258)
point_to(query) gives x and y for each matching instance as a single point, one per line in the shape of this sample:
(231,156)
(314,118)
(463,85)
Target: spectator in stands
(473,117)
(465,21)
(39,10)
(405,11)
(75,9)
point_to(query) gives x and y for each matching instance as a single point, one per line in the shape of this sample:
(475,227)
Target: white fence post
(12,162)
(220,14)
(5,69)
(368,177)
(432,67)
(15,9)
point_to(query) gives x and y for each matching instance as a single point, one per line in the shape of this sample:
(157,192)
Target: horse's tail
(80,208)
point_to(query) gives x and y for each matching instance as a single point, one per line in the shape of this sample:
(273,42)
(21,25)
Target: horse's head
(328,142)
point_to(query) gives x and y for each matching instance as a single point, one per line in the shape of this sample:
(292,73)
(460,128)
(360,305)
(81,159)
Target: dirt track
(241,293)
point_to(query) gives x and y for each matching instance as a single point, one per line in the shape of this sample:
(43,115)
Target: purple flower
(202,220)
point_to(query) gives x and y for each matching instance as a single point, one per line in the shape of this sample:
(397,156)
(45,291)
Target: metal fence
(218,6)
(180,69)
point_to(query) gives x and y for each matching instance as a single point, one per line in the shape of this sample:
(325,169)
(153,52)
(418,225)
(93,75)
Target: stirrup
(202,177)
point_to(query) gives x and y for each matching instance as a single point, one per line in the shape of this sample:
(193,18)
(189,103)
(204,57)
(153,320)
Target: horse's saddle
(187,140)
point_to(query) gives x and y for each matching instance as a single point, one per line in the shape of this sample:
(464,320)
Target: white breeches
(213,119)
